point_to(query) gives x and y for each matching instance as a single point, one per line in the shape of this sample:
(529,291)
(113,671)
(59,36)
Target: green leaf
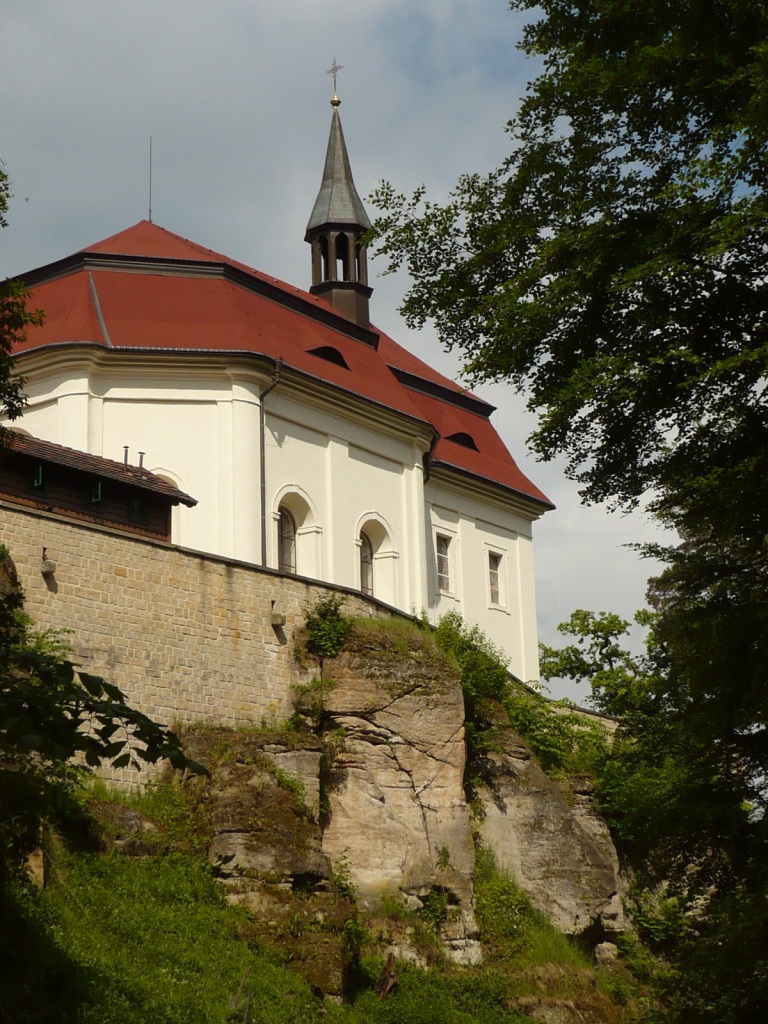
(93,684)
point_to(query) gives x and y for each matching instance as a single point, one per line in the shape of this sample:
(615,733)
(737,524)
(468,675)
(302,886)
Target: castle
(316,447)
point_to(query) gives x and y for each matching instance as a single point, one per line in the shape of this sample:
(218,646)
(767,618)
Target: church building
(313,443)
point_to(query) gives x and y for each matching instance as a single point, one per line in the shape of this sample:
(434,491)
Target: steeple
(338,220)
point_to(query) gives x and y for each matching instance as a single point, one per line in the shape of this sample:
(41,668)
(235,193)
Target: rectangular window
(37,480)
(443,562)
(494,577)
(138,512)
(94,493)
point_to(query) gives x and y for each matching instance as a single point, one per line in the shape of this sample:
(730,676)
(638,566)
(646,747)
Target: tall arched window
(286,541)
(342,257)
(366,564)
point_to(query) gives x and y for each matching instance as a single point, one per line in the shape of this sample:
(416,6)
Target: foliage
(144,936)
(683,801)
(172,807)
(434,909)
(503,910)
(341,876)
(309,701)
(565,743)
(621,684)
(688,810)
(483,666)
(290,782)
(484,679)
(615,265)
(50,713)
(433,998)
(327,628)
(15,317)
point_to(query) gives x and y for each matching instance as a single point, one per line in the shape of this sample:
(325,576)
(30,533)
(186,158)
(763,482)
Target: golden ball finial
(335,102)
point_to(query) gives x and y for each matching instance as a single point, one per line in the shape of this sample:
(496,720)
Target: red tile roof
(147,288)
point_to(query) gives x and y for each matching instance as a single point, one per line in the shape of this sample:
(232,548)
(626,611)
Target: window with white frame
(494,577)
(443,548)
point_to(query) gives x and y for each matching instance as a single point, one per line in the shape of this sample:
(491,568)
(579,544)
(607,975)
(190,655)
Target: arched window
(377,558)
(366,564)
(324,257)
(342,257)
(286,541)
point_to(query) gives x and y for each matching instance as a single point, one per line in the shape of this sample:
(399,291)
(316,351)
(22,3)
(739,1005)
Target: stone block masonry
(187,636)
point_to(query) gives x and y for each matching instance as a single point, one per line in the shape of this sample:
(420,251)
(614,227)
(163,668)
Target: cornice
(167,364)
(505,499)
(364,411)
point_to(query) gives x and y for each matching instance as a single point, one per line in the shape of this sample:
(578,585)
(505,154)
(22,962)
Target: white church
(313,443)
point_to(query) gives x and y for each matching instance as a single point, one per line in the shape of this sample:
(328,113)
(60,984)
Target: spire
(337,201)
(335,227)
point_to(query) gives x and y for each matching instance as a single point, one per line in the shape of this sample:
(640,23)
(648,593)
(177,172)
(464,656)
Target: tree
(688,810)
(615,266)
(15,317)
(50,713)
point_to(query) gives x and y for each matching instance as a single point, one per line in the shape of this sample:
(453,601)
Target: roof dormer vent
(464,439)
(330,354)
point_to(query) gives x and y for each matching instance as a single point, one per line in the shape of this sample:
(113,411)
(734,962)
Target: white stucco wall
(350,477)
(339,467)
(477,528)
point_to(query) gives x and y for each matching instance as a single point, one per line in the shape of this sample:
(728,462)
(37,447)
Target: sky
(235,97)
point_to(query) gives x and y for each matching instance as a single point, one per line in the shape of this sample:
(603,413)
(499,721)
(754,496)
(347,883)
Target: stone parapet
(186,636)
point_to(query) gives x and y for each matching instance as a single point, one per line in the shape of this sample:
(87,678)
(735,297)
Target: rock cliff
(366,797)
(557,849)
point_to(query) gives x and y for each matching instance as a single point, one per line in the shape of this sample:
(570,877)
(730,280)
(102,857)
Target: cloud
(235,96)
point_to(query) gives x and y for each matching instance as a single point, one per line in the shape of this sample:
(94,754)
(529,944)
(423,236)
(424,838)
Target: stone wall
(186,636)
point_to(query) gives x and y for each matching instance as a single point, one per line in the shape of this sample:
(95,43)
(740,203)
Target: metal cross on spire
(334,69)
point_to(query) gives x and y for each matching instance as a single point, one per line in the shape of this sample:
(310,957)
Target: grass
(434,998)
(115,939)
(167,804)
(154,942)
(513,931)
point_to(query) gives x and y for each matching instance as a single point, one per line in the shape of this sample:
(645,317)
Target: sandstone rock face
(262,816)
(262,807)
(398,819)
(308,930)
(562,858)
(370,801)
(583,808)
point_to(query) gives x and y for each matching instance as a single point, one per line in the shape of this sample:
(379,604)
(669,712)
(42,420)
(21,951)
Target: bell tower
(335,229)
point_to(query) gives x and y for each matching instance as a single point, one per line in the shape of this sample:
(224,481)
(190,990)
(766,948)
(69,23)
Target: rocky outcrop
(397,816)
(558,851)
(366,800)
(261,805)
